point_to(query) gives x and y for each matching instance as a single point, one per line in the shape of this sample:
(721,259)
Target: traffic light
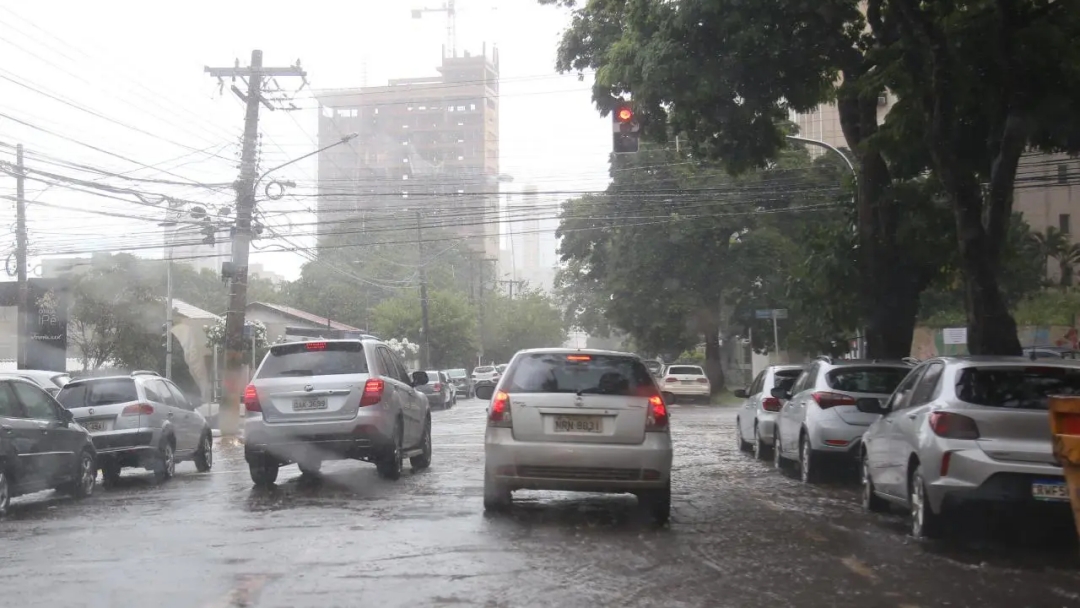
(625,130)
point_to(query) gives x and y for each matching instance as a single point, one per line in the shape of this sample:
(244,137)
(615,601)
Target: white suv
(578,420)
(686,382)
(333,400)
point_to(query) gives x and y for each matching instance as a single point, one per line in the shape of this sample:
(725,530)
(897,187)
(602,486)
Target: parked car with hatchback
(655,367)
(141,420)
(438,390)
(756,420)
(332,400)
(685,383)
(484,379)
(578,420)
(828,409)
(965,430)
(51,382)
(460,378)
(41,445)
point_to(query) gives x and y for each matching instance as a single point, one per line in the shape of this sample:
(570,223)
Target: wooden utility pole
(235,344)
(23,340)
(510,284)
(425,328)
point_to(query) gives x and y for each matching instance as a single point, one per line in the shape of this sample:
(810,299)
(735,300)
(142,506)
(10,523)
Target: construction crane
(451,23)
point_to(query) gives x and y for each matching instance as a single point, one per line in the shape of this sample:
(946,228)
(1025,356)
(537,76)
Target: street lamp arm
(346,139)
(827,146)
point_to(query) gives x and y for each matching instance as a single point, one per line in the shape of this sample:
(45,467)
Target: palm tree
(1054,244)
(1068,259)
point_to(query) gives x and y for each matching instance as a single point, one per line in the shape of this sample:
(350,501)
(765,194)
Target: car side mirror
(741,393)
(419,378)
(484,392)
(66,416)
(869,405)
(782,394)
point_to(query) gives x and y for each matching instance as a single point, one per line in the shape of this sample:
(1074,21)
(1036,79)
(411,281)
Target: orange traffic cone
(1065,426)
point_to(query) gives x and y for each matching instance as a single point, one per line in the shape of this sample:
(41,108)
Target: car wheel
(657,503)
(310,468)
(85,477)
(165,466)
(669,398)
(497,497)
(423,461)
(807,461)
(744,446)
(204,455)
(924,522)
(110,473)
(264,472)
(390,462)
(760,449)
(5,494)
(870,500)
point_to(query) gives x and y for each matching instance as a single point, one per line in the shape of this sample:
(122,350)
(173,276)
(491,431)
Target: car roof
(363,340)
(781,368)
(576,351)
(76,381)
(1005,361)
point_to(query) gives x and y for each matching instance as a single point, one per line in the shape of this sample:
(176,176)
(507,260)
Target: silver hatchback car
(578,420)
(968,429)
(333,400)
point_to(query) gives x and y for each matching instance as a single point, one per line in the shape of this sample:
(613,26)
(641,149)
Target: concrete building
(287,324)
(429,144)
(259,271)
(528,251)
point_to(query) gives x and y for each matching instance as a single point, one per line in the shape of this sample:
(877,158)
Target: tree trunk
(894,308)
(713,366)
(991,328)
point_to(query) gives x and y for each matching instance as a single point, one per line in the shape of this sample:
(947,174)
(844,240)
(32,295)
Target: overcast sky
(127,78)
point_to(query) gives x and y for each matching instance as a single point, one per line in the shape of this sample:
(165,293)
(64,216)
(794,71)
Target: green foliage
(451,319)
(529,320)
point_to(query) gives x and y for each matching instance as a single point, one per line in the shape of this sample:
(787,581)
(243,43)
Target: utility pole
(235,378)
(425,339)
(481,301)
(23,340)
(510,284)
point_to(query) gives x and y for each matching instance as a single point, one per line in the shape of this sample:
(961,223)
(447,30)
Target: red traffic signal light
(624,114)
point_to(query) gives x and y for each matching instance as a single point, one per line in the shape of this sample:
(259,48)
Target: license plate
(579,424)
(687,381)
(96,426)
(306,405)
(1050,490)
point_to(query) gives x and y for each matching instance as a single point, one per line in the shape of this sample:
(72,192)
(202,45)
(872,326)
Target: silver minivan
(331,400)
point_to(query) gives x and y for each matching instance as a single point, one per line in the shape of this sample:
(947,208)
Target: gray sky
(130,80)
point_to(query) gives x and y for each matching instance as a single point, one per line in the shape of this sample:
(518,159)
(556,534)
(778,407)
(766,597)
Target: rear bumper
(435,400)
(831,435)
(479,383)
(766,423)
(127,440)
(361,438)
(581,467)
(972,476)
(687,390)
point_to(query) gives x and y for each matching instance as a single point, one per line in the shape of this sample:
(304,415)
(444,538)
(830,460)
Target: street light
(346,139)
(827,146)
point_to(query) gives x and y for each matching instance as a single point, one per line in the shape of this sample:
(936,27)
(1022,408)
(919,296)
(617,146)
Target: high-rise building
(428,144)
(528,253)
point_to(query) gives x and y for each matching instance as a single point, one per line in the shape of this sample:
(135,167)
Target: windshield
(590,374)
(433,377)
(456,373)
(1025,388)
(90,393)
(500,368)
(882,380)
(685,370)
(483,370)
(314,359)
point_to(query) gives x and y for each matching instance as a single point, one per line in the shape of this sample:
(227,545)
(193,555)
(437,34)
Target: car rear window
(685,370)
(585,374)
(456,373)
(314,359)
(433,377)
(1024,388)
(60,380)
(785,378)
(98,392)
(879,379)
(483,370)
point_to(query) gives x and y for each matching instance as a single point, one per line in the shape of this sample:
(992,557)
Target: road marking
(859,568)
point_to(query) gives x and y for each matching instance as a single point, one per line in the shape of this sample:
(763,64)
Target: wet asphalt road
(741,535)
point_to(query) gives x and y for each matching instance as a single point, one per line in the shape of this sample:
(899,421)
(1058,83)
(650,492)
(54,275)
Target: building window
(405,177)
(461,108)
(1064,223)
(461,158)
(460,124)
(409,108)
(422,108)
(461,140)
(376,110)
(449,108)
(472,106)
(404,126)
(1063,174)
(404,160)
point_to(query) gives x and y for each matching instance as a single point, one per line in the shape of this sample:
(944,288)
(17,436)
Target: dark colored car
(437,390)
(41,445)
(461,380)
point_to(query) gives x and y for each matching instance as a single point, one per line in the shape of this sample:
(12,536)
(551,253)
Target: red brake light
(1068,424)
(316,345)
(578,358)
(703,380)
(499,413)
(657,418)
(373,391)
(953,426)
(437,386)
(137,409)
(251,399)
(671,379)
(826,400)
(771,404)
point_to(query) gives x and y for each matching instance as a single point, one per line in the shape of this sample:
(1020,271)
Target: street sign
(954,335)
(771,313)
(763,314)
(781,313)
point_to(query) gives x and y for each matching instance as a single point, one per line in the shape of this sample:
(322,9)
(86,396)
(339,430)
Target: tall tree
(451,319)
(529,320)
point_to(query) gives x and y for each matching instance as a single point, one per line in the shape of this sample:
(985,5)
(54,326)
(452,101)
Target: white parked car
(578,420)
(756,421)
(685,382)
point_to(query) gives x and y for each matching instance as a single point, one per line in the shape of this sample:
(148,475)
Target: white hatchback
(578,420)
(685,382)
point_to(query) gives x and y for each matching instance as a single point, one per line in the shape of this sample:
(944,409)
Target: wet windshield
(483,370)
(882,380)
(97,392)
(456,373)
(314,359)
(596,374)
(1026,388)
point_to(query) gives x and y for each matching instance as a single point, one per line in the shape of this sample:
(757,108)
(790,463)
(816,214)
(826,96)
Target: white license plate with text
(96,426)
(1050,490)
(306,405)
(579,424)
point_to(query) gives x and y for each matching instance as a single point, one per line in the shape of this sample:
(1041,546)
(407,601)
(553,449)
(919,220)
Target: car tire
(779,462)
(870,500)
(85,477)
(808,461)
(165,463)
(310,468)
(743,444)
(110,473)
(924,522)
(657,503)
(264,472)
(390,461)
(5,494)
(423,461)
(669,398)
(761,451)
(204,455)
(497,497)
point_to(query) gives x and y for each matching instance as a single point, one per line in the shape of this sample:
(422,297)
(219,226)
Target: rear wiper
(296,372)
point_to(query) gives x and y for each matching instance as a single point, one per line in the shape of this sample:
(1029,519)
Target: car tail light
(703,380)
(316,345)
(671,379)
(373,391)
(826,400)
(953,426)
(771,404)
(1069,424)
(436,387)
(946,458)
(251,399)
(499,412)
(137,409)
(657,418)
